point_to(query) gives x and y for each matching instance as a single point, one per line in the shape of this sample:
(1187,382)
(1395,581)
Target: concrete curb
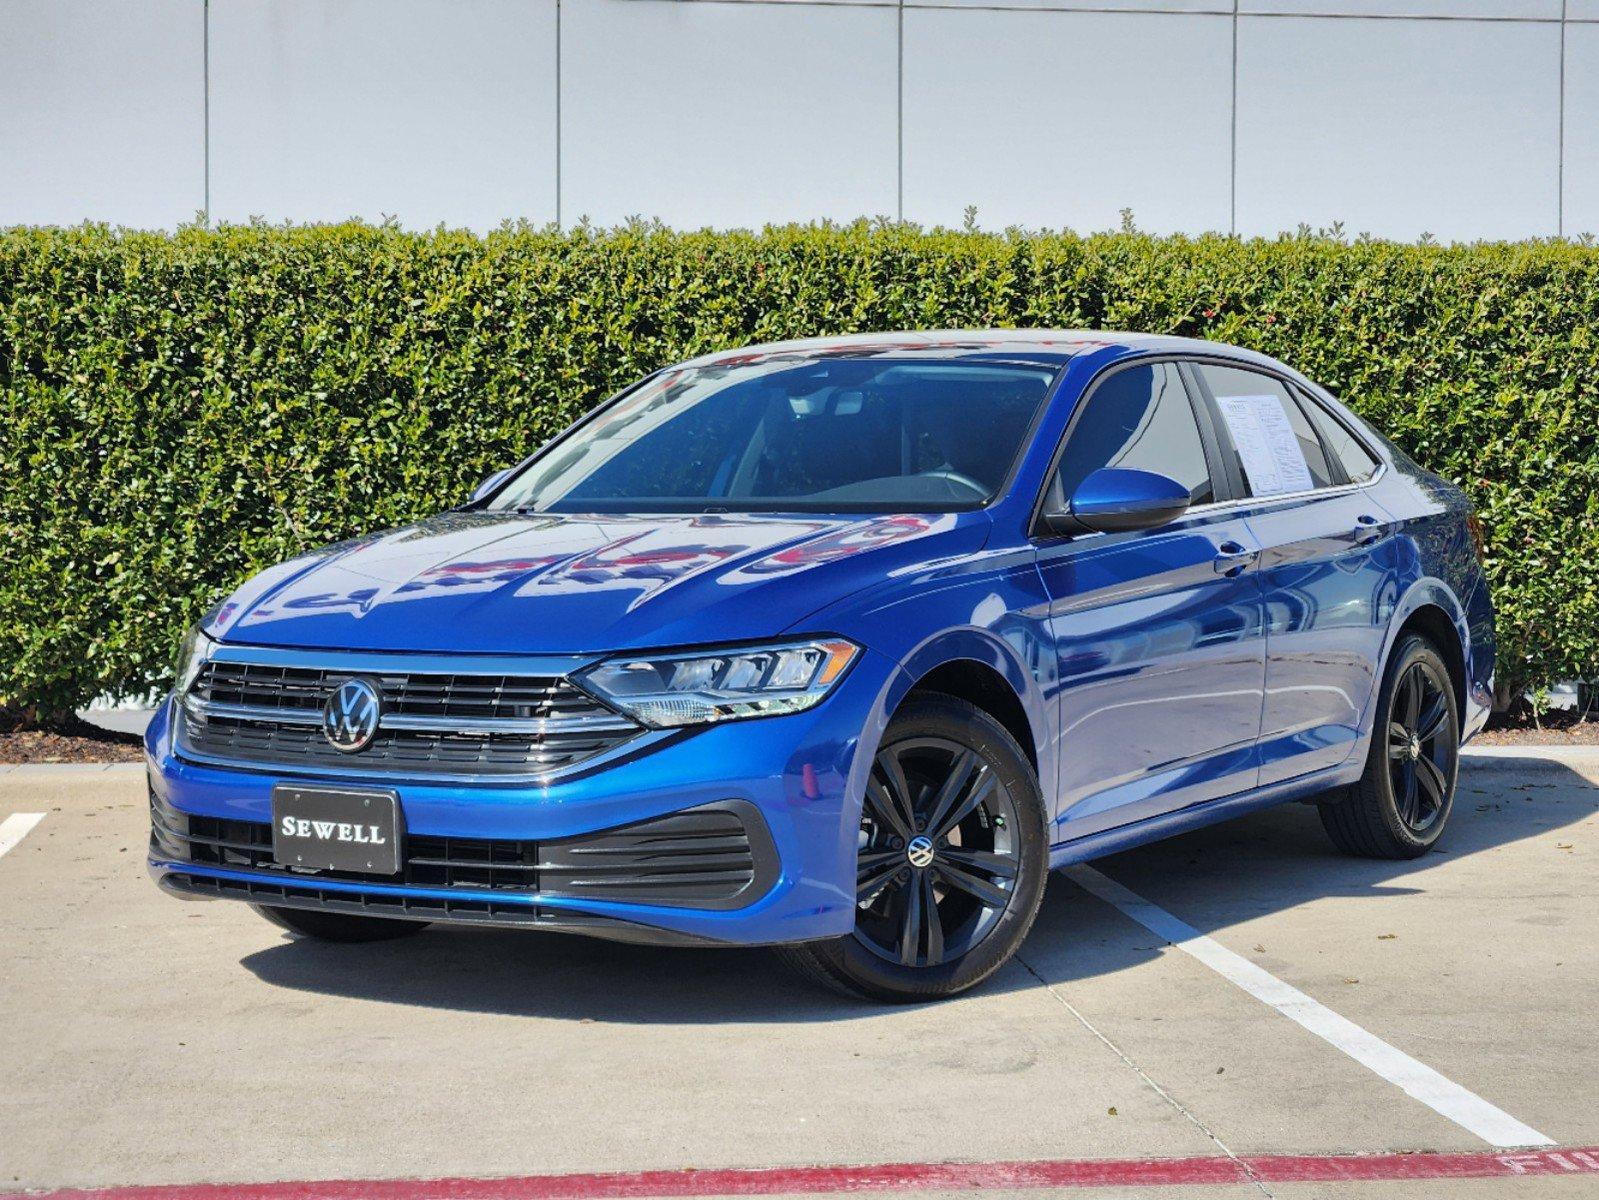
(16,771)
(1530,758)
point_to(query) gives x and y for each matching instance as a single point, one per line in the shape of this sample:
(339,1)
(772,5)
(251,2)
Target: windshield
(842,434)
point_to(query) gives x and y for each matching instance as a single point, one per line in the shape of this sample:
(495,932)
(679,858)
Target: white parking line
(1445,1097)
(16,827)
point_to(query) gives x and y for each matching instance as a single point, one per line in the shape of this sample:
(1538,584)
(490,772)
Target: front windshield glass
(821,435)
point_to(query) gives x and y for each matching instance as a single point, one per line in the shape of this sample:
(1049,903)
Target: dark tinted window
(1139,418)
(1231,383)
(840,434)
(1358,462)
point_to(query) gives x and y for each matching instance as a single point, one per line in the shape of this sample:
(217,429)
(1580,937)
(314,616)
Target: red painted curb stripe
(889,1177)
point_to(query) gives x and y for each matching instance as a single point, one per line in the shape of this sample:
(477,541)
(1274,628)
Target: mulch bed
(78,742)
(1519,728)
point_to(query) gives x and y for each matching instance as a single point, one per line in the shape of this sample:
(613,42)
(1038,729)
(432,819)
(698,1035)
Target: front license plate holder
(337,829)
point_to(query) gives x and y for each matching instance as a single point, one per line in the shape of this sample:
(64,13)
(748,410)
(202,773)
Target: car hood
(508,584)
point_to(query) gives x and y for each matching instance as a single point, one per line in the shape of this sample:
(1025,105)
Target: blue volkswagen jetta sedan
(840,645)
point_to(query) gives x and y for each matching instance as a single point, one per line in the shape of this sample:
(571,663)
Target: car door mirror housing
(1117,499)
(488,485)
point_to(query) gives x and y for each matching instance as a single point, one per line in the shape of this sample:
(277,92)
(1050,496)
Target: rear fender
(1426,591)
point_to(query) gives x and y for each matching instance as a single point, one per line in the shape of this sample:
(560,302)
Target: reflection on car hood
(507,583)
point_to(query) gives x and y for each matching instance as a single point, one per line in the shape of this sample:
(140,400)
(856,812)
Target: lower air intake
(717,856)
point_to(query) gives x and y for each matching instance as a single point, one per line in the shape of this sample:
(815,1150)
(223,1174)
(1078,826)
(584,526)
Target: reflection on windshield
(872,435)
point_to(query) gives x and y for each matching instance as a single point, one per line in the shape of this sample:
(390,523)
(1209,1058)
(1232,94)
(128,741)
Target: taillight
(1474,527)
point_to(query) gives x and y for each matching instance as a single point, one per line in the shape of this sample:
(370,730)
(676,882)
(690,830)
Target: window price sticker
(1266,444)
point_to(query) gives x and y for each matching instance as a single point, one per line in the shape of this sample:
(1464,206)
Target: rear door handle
(1367,529)
(1234,558)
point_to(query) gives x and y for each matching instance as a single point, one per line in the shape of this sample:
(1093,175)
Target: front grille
(715,856)
(433,723)
(424,694)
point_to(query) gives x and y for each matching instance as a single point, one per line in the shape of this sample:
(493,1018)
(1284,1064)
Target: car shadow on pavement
(1281,858)
(1212,878)
(553,975)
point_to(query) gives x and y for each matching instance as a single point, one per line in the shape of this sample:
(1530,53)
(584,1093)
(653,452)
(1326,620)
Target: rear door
(1158,634)
(1325,568)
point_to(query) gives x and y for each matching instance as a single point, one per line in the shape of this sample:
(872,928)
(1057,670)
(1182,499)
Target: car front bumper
(791,782)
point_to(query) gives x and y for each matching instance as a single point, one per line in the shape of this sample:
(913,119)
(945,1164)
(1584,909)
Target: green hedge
(177,411)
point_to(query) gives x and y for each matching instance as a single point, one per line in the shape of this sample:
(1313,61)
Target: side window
(1248,411)
(1358,462)
(1139,418)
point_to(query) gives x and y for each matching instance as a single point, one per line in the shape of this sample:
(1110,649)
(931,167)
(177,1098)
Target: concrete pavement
(150,1041)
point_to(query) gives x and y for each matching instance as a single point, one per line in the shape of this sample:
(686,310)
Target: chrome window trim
(1348,424)
(1217,507)
(1342,489)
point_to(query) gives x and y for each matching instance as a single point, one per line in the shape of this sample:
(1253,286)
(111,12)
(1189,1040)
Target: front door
(1158,634)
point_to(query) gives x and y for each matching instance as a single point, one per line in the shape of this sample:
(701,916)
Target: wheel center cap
(1415,746)
(920,851)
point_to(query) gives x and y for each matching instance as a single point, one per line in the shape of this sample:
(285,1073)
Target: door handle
(1234,558)
(1367,530)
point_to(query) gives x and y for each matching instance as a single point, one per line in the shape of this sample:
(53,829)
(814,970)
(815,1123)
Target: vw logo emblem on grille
(920,852)
(350,717)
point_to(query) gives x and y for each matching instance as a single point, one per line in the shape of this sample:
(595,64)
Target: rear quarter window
(1359,463)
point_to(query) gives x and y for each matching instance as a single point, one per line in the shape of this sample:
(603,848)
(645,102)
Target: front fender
(978,616)
(969,645)
(991,649)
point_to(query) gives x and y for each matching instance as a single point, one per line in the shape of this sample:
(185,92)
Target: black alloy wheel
(1421,749)
(952,857)
(1401,803)
(938,852)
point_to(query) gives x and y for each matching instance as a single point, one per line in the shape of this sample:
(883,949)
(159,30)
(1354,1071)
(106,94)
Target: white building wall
(727,114)
(1459,118)
(1065,118)
(420,110)
(1399,126)
(102,111)
(1580,160)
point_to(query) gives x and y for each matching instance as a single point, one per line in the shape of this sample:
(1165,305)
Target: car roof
(1052,346)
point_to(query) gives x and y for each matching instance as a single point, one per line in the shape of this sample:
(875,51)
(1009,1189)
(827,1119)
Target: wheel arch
(1434,624)
(1431,610)
(981,686)
(987,671)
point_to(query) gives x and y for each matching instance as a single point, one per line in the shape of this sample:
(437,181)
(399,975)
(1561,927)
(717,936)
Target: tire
(338,927)
(1401,804)
(963,776)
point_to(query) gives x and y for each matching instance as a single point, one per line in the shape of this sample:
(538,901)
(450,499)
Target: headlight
(669,690)
(193,652)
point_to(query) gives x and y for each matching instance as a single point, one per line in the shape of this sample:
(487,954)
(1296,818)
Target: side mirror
(489,484)
(1115,500)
